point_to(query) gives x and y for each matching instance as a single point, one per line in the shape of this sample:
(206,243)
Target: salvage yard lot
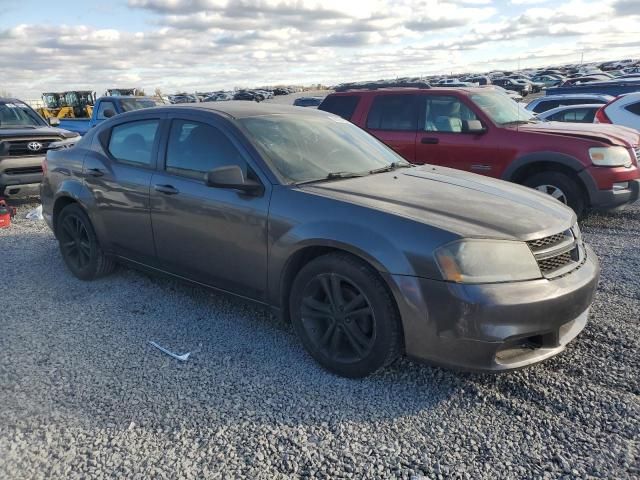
(82,393)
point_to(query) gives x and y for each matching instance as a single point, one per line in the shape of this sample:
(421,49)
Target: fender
(77,191)
(367,244)
(535,157)
(554,157)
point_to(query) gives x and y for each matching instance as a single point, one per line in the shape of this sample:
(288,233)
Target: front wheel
(345,316)
(79,245)
(561,187)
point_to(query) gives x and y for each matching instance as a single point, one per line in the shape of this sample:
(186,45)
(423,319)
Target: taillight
(44,165)
(601,116)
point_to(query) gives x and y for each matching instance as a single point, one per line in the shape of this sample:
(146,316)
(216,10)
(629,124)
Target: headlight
(487,261)
(610,156)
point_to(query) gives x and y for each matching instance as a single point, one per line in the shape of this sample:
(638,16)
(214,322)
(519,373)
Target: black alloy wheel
(345,315)
(79,244)
(338,318)
(75,242)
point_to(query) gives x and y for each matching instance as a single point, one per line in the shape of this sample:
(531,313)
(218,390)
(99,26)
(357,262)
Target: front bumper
(494,327)
(20,174)
(614,199)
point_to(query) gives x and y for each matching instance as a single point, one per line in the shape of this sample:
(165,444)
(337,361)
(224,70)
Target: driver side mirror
(54,121)
(108,113)
(473,126)
(231,176)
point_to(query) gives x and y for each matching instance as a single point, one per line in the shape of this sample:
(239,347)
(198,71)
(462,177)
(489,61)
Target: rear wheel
(79,245)
(561,187)
(345,316)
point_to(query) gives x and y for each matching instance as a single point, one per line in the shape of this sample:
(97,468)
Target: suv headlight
(487,261)
(610,156)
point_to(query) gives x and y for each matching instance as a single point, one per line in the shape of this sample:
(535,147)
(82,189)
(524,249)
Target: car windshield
(18,115)
(313,148)
(130,104)
(502,109)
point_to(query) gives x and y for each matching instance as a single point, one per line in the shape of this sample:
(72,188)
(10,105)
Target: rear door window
(394,112)
(105,105)
(343,105)
(133,142)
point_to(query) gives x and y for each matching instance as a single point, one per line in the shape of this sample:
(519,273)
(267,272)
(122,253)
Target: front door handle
(430,140)
(166,189)
(95,172)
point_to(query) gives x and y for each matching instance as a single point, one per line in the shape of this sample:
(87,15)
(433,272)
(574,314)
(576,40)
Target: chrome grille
(558,254)
(19,147)
(550,264)
(637,150)
(547,241)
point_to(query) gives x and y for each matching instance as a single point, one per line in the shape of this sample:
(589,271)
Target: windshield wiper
(333,176)
(520,122)
(392,166)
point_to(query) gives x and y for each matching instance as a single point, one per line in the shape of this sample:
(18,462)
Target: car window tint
(102,107)
(342,105)
(634,108)
(133,142)
(446,114)
(543,106)
(195,148)
(394,112)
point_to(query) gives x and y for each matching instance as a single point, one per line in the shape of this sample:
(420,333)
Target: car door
(215,236)
(117,172)
(393,119)
(443,138)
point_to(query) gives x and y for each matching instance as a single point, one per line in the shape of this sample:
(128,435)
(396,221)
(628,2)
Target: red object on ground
(6,214)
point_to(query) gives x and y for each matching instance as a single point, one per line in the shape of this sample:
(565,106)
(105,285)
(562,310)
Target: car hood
(463,203)
(612,134)
(35,132)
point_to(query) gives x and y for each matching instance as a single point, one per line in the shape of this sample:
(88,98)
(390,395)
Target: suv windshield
(311,148)
(130,104)
(16,114)
(502,109)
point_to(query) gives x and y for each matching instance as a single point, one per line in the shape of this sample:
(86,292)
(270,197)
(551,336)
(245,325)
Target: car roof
(561,96)
(121,97)
(10,100)
(239,109)
(438,88)
(569,107)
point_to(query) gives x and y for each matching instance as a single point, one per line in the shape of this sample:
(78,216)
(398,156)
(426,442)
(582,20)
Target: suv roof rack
(381,84)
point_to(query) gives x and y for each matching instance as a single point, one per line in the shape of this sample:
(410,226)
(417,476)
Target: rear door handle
(95,172)
(166,189)
(430,140)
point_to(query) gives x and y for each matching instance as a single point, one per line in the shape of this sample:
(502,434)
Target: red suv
(482,130)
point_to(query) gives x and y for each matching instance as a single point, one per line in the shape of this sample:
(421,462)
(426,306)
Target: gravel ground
(83,395)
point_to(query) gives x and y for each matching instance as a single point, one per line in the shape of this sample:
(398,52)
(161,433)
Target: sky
(204,45)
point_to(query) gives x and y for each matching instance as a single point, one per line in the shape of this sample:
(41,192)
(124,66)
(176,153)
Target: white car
(584,113)
(624,110)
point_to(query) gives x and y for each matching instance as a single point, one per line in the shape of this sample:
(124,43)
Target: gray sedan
(367,255)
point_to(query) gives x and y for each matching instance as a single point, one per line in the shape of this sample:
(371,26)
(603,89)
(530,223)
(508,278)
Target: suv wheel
(79,245)
(561,187)
(345,316)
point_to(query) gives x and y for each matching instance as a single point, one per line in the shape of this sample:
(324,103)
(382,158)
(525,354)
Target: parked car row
(256,94)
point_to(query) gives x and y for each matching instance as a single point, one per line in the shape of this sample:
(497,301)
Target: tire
(560,186)
(357,333)
(79,245)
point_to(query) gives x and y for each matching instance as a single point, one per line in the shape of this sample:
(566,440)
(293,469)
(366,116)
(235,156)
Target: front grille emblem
(34,146)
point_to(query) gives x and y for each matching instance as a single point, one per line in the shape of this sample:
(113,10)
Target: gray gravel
(82,394)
